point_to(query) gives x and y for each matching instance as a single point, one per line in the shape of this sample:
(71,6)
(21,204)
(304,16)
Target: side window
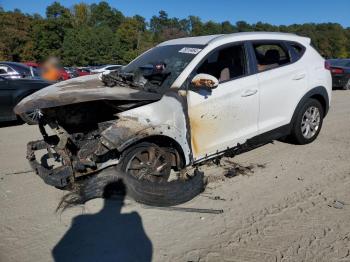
(298,49)
(4,69)
(225,64)
(270,55)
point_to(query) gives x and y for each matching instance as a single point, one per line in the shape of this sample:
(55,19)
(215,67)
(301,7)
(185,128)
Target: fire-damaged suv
(179,104)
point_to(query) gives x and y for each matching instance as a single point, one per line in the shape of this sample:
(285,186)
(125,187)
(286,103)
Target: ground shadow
(105,236)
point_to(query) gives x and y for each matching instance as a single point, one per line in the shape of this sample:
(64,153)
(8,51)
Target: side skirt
(250,144)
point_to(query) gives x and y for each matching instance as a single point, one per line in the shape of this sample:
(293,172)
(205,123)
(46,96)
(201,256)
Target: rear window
(270,55)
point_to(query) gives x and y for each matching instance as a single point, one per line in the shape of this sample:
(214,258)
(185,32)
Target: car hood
(78,90)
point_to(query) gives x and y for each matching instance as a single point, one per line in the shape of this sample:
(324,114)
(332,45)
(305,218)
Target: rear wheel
(308,123)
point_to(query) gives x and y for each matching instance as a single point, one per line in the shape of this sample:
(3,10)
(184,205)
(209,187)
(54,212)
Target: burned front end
(74,115)
(70,153)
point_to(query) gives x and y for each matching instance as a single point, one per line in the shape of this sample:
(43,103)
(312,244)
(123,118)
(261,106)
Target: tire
(300,125)
(165,194)
(347,85)
(158,192)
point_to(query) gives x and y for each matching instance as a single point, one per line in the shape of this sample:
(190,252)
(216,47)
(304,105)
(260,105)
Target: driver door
(227,115)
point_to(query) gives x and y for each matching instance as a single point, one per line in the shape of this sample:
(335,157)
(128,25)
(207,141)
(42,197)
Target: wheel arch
(320,94)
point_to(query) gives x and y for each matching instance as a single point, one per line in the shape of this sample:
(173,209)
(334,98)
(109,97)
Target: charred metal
(90,126)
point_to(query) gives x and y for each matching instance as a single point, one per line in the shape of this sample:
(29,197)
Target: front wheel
(32,118)
(308,123)
(146,170)
(147,161)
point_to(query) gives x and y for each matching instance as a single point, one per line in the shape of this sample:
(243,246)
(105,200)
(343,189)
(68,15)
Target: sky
(277,12)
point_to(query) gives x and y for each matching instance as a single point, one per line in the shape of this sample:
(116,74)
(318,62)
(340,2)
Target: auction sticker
(190,50)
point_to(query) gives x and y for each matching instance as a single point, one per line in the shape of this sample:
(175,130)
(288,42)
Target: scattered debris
(337,204)
(188,209)
(214,197)
(235,169)
(217,198)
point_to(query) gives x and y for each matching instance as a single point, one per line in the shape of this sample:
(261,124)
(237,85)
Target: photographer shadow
(105,236)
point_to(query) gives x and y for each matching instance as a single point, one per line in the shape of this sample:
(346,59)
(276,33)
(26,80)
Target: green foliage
(100,34)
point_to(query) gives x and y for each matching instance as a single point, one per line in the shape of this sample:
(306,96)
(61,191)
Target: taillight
(337,71)
(327,65)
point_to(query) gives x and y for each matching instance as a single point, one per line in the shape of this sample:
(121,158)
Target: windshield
(340,62)
(163,64)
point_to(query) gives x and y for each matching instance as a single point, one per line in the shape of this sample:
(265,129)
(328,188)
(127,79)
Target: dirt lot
(283,210)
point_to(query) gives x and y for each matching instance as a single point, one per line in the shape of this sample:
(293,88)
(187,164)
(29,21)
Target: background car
(106,69)
(63,73)
(340,69)
(13,90)
(83,71)
(13,70)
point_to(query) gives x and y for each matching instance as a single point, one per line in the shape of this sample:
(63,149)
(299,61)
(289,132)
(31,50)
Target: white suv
(183,102)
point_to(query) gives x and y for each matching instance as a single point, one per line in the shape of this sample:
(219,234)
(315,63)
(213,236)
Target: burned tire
(167,193)
(308,122)
(158,191)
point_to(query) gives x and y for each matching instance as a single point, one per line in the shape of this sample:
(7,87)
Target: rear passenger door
(282,81)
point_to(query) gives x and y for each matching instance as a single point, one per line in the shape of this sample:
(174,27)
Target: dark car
(340,69)
(13,90)
(13,70)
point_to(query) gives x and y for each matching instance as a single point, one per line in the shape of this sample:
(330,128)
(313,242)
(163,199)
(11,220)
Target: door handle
(249,92)
(299,77)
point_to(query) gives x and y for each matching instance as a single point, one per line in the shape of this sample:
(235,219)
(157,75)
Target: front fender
(128,130)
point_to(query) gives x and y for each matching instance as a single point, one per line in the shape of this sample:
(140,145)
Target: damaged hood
(78,90)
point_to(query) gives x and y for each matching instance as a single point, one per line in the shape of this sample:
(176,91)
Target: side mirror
(205,81)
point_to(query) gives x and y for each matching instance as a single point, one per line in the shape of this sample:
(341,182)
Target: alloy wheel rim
(310,122)
(150,163)
(35,115)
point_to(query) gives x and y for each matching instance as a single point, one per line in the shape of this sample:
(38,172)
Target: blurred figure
(50,69)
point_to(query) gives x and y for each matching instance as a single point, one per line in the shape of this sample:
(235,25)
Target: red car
(63,74)
(83,71)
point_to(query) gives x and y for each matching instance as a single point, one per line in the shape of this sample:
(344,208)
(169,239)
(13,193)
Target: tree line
(100,34)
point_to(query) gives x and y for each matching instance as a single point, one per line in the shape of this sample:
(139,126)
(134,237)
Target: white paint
(238,109)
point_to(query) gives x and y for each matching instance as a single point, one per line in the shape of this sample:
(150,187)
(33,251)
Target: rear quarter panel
(318,74)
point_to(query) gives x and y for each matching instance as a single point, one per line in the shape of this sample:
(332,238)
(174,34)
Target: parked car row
(18,80)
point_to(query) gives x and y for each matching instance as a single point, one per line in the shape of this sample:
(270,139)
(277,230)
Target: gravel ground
(291,204)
